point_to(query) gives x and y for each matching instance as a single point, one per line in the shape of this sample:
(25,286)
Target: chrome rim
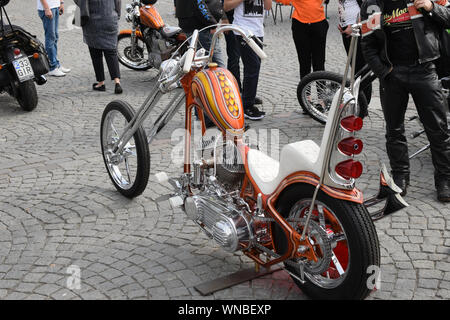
(324,217)
(122,167)
(139,60)
(318,96)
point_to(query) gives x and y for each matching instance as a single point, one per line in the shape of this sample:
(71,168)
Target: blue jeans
(51,36)
(205,38)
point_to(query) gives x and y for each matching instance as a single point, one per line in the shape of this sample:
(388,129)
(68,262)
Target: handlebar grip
(188,60)
(257,49)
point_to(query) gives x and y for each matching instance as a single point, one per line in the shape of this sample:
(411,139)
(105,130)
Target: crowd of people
(403,51)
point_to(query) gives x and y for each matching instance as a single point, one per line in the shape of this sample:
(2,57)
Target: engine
(228,225)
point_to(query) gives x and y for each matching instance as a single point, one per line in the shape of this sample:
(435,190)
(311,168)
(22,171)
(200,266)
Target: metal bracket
(388,192)
(209,287)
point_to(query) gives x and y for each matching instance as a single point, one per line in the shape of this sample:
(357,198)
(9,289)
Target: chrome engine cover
(226,224)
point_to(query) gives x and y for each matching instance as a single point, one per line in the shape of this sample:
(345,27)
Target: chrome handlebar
(175,68)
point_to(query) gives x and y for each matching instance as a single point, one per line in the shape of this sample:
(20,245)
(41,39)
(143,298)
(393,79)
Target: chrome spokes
(123,166)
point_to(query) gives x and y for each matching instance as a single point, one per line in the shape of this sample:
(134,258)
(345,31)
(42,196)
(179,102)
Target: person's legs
(205,39)
(301,39)
(113,64)
(56,24)
(234,55)
(394,101)
(97,62)
(50,39)
(318,39)
(252,64)
(429,100)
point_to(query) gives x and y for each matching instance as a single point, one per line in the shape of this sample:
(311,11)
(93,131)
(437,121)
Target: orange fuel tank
(150,17)
(218,92)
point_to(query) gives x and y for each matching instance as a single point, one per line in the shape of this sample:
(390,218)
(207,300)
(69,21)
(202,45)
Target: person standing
(100,24)
(49,12)
(309,30)
(400,42)
(249,15)
(348,11)
(199,14)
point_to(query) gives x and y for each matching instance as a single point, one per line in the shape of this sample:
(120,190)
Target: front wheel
(27,95)
(129,171)
(137,60)
(343,238)
(316,91)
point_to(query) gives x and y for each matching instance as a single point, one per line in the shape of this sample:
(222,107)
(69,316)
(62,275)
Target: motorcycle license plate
(23,69)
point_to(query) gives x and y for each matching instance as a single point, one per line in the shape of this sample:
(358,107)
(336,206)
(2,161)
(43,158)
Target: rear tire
(130,179)
(27,95)
(328,83)
(356,252)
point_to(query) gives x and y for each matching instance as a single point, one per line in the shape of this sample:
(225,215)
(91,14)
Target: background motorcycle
(23,61)
(150,41)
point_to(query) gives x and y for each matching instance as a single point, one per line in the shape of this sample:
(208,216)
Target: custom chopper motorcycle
(23,62)
(150,41)
(304,211)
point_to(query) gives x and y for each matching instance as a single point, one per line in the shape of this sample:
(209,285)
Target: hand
(212,31)
(425,4)
(61,9)
(49,13)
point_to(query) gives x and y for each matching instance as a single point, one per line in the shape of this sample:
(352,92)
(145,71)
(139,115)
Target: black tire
(124,55)
(141,146)
(361,242)
(330,78)
(27,95)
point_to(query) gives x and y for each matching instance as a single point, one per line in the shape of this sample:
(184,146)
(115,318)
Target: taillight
(35,55)
(352,123)
(16,51)
(350,146)
(349,169)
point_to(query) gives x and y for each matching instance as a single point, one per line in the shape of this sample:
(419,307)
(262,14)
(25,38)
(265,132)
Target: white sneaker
(56,73)
(65,70)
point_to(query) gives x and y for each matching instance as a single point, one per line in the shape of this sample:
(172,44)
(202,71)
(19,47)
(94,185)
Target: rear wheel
(137,60)
(344,240)
(316,91)
(129,171)
(27,95)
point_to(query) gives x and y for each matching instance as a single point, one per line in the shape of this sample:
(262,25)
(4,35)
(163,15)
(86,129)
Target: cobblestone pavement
(58,207)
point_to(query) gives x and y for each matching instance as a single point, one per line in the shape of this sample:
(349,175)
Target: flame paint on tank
(150,17)
(218,92)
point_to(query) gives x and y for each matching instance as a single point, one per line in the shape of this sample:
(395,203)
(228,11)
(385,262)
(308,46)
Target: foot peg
(390,193)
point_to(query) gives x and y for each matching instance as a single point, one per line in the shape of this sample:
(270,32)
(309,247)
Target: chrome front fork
(143,112)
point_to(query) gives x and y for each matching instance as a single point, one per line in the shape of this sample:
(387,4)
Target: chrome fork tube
(165,116)
(138,119)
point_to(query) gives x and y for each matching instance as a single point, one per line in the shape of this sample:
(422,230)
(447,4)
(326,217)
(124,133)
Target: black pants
(310,41)
(252,65)
(422,83)
(111,60)
(360,63)
(234,55)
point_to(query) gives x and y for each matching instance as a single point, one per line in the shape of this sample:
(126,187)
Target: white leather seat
(268,173)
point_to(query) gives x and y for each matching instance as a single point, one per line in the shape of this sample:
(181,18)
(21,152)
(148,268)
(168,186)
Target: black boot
(443,191)
(402,181)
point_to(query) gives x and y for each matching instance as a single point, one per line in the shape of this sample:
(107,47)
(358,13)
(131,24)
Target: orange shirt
(306,11)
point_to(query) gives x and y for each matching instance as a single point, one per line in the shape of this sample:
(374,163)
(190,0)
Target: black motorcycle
(23,62)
